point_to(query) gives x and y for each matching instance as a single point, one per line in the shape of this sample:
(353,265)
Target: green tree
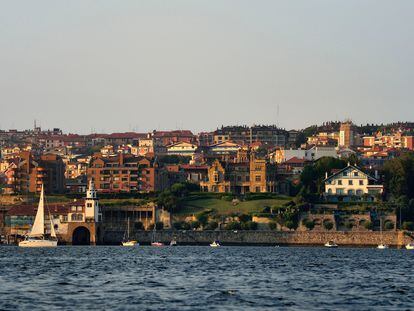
(212,225)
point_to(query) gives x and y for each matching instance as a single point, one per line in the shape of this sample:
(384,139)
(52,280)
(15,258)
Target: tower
(346,134)
(92,204)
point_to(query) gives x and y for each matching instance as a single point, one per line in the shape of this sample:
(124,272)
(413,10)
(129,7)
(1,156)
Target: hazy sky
(140,65)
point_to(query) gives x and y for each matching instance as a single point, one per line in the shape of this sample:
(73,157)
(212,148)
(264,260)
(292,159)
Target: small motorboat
(130,243)
(382,246)
(331,244)
(158,244)
(215,244)
(410,246)
(173,243)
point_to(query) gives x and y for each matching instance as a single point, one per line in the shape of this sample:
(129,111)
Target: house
(240,177)
(224,148)
(351,184)
(182,149)
(312,154)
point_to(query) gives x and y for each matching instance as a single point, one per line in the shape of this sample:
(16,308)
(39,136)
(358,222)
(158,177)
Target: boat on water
(37,236)
(154,241)
(381,245)
(409,246)
(215,244)
(331,244)
(126,240)
(173,242)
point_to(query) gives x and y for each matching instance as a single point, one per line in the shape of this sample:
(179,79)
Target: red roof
(194,167)
(295,160)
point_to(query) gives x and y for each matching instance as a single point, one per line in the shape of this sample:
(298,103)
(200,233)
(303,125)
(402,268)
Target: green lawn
(223,207)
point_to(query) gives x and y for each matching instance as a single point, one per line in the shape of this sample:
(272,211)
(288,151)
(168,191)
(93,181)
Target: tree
(328,225)
(212,225)
(309,224)
(399,176)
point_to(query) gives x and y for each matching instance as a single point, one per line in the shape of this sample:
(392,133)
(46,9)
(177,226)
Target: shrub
(368,225)
(290,224)
(348,224)
(389,225)
(227,198)
(212,225)
(245,218)
(272,225)
(195,224)
(408,225)
(310,224)
(181,225)
(249,225)
(234,225)
(202,218)
(328,225)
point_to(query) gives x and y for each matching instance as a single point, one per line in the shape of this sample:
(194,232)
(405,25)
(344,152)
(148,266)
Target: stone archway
(81,236)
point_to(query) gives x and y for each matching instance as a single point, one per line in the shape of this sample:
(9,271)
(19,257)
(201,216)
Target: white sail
(52,227)
(38,228)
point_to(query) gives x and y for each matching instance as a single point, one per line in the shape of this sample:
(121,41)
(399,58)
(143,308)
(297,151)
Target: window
(258,178)
(79,208)
(350,182)
(216,178)
(339,191)
(345,173)
(257,189)
(356,174)
(339,182)
(361,182)
(359,192)
(73,208)
(88,204)
(350,192)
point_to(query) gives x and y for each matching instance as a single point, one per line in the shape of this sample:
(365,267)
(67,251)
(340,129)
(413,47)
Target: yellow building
(247,174)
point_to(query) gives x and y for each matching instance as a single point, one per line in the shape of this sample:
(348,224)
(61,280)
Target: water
(203,278)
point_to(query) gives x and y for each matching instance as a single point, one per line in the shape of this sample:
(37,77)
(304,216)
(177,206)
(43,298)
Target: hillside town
(336,176)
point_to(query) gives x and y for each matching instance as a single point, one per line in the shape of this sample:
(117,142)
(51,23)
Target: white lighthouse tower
(92,204)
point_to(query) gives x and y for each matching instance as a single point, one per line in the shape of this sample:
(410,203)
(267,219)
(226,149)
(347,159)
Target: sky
(139,65)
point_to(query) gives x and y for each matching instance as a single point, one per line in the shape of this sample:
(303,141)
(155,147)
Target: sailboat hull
(38,243)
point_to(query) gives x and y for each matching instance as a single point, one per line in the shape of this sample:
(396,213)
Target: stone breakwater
(351,238)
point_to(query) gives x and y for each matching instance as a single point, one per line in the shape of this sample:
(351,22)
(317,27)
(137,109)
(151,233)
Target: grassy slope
(226,208)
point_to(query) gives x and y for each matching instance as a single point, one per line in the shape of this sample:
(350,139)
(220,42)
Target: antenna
(277,116)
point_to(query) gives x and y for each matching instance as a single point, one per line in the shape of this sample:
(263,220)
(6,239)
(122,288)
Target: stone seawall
(370,238)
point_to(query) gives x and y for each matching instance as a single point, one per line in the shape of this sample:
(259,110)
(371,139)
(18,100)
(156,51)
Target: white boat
(331,244)
(37,236)
(127,241)
(215,244)
(173,243)
(410,246)
(154,242)
(382,245)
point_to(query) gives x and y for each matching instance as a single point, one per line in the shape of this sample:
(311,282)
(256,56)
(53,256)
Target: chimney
(326,175)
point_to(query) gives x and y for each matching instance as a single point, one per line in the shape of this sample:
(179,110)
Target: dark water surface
(203,278)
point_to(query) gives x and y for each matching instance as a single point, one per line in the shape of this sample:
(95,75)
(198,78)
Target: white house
(351,183)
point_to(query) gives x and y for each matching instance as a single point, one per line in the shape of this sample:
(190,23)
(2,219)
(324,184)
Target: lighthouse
(92,212)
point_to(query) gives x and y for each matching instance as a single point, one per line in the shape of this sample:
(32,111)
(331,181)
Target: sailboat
(382,245)
(37,236)
(126,241)
(154,242)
